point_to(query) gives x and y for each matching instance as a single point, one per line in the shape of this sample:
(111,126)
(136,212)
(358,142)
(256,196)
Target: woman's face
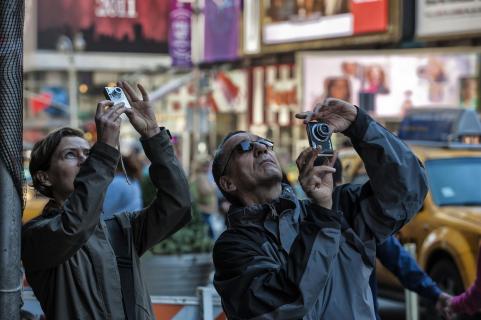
(65,164)
(339,89)
(375,75)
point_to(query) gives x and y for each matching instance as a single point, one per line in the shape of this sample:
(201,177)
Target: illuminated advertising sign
(437,19)
(106,25)
(291,21)
(275,26)
(180,19)
(389,84)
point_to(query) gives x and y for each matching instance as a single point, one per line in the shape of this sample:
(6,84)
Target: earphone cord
(122,163)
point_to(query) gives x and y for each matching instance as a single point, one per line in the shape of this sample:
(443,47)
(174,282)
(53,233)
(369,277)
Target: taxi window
(455,182)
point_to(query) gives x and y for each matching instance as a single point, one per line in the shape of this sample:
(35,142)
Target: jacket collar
(51,209)
(256,214)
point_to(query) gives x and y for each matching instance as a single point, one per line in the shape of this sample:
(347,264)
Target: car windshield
(455,182)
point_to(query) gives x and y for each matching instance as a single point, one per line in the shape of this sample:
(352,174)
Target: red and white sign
(285,21)
(273,96)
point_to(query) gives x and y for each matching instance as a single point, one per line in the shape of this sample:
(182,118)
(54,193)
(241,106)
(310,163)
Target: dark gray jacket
(66,253)
(292,259)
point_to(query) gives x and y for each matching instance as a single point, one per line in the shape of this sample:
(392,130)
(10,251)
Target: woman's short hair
(42,155)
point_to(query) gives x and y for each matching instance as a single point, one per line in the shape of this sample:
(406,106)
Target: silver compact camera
(319,134)
(117,95)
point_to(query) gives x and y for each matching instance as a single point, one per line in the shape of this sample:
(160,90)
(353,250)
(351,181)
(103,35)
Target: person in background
(468,302)
(399,262)
(78,265)
(124,193)
(204,193)
(469,93)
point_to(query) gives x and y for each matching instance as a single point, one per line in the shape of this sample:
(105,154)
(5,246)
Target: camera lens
(117,92)
(321,131)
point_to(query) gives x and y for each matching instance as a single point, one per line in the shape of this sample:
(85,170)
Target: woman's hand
(141,115)
(316,181)
(338,114)
(107,121)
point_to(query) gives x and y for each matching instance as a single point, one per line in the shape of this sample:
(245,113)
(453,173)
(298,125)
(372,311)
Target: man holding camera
(283,258)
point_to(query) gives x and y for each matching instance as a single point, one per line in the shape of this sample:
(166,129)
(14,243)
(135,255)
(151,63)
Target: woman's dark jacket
(66,252)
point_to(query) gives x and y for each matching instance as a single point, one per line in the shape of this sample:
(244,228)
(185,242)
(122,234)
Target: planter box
(176,275)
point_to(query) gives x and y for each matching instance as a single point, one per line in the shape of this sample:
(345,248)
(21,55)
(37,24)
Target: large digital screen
(105,25)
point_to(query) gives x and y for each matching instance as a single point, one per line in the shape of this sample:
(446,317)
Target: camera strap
(122,163)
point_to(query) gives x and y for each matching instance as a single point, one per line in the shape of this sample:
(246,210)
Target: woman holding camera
(79,266)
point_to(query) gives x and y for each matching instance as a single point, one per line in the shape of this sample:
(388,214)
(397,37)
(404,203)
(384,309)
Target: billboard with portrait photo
(390,83)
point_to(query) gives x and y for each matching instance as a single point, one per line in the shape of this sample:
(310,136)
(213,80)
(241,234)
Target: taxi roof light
(448,127)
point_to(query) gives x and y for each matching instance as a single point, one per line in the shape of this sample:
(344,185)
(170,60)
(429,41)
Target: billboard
(291,21)
(438,19)
(389,84)
(221,35)
(294,24)
(223,91)
(106,25)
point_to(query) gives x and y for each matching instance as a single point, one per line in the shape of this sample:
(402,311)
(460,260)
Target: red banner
(369,15)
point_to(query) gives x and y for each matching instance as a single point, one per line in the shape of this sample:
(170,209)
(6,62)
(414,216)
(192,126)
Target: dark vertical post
(11,168)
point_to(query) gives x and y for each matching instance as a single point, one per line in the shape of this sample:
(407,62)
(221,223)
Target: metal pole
(205,302)
(72,86)
(10,226)
(11,169)
(412,301)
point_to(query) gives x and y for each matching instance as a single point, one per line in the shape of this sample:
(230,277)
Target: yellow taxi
(447,230)
(34,205)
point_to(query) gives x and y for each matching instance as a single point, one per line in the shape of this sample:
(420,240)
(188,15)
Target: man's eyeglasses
(246,146)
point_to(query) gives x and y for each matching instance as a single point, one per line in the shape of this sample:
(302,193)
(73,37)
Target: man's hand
(443,306)
(316,181)
(338,114)
(107,121)
(141,115)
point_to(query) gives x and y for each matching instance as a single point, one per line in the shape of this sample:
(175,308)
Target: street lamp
(69,47)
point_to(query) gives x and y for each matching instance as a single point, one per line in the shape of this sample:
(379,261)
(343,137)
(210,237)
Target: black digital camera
(319,134)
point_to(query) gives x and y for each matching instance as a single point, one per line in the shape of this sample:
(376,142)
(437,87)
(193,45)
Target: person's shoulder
(32,223)
(236,239)
(37,223)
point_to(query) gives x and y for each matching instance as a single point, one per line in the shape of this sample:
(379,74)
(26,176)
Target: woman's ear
(226,184)
(42,177)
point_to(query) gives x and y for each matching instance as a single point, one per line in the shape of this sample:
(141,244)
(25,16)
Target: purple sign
(221,30)
(179,33)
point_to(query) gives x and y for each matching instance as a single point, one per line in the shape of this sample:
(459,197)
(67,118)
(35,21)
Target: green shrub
(193,238)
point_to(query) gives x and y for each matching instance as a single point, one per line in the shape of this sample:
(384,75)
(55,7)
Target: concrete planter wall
(176,275)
